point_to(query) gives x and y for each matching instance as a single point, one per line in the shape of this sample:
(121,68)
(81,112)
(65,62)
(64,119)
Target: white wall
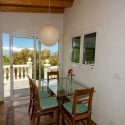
(29,24)
(108,16)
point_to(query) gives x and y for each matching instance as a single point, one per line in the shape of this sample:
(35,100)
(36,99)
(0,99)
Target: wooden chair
(78,109)
(51,76)
(44,106)
(31,94)
(42,94)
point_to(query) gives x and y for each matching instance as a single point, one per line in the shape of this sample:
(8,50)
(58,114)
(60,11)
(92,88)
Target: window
(75,49)
(89,48)
(85,48)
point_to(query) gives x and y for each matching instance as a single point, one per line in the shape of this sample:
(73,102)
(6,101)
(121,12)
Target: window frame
(79,35)
(83,50)
(97,48)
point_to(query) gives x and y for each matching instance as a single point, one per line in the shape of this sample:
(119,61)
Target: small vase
(71,85)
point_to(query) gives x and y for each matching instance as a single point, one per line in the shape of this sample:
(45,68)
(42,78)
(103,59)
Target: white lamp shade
(48,35)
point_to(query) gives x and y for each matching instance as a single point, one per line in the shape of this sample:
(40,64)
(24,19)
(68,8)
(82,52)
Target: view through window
(23,48)
(76,49)
(89,48)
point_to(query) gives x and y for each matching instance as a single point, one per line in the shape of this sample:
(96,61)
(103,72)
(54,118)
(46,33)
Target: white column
(29,72)
(5,74)
(25,72)
(9,74)
(46,68)
(13,73)
(17,72)
(21,72)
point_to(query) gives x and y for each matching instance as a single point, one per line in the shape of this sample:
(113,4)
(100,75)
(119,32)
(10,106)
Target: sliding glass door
(22,56)
(19,61)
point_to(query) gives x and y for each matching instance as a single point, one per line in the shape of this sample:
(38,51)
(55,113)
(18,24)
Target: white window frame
(97,47)
(72,49)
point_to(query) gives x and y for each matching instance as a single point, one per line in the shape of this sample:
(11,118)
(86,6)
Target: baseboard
(1,102)
(93,123)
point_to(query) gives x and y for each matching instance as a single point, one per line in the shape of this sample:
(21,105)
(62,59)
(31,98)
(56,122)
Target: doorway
(18,56)
(19,53)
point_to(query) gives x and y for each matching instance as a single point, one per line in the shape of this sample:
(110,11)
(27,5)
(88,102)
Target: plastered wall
(108,18)
(28,24)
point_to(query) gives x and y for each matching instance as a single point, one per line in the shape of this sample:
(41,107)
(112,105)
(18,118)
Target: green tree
(54,59)
(6,60)
(22,58)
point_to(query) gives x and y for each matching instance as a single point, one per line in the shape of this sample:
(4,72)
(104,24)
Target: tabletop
(63,87)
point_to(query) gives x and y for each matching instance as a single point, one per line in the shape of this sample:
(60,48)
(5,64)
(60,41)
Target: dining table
(63,87)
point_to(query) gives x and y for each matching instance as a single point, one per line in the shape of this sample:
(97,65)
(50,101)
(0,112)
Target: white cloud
(15,49)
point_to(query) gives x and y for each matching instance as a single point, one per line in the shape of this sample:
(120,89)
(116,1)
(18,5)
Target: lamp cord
(49,12)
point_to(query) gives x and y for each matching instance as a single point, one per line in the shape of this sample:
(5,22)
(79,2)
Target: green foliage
(6,60)
(22,58)
(89,55)
(54,59)
(76,54)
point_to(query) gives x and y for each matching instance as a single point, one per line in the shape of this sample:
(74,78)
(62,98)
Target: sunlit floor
(16,113)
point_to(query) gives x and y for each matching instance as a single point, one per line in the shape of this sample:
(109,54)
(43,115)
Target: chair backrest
(52,75)
(36,96)
(31,86)
(88,95)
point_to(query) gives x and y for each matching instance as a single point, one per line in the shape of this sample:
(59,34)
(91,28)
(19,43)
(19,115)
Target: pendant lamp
(48,35)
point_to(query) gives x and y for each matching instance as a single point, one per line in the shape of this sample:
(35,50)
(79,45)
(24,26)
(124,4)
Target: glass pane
(50,53)
(6,66)
(22,65)
(75,49)
(89,48)
(37,59)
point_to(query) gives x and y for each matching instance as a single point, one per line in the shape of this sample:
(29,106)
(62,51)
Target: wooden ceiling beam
(53,3)
(31,9)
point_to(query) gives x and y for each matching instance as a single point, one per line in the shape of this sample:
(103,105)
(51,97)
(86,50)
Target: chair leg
(38,118)
(58,116)
(32,112)
(63,116)
(73,122)
(89,120)
(34,115)
(30,105)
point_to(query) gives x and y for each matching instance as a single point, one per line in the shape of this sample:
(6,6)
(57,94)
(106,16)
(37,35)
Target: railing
(19,71)
(48,68)
(20,81)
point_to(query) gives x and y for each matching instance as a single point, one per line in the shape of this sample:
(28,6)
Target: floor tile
(23,110)
(15,103)
(19,116)
(4,105)
(26,101)
(3,110)
(2,118)
(2,123)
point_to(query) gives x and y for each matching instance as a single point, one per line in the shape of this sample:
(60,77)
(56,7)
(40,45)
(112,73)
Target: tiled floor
(16,113)
(4,108)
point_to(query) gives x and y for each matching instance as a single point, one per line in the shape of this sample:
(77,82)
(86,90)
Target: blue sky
(20,43)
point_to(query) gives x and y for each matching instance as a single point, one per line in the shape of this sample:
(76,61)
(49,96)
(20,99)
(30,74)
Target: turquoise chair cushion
(43,94)
(47,103)
(80,107)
